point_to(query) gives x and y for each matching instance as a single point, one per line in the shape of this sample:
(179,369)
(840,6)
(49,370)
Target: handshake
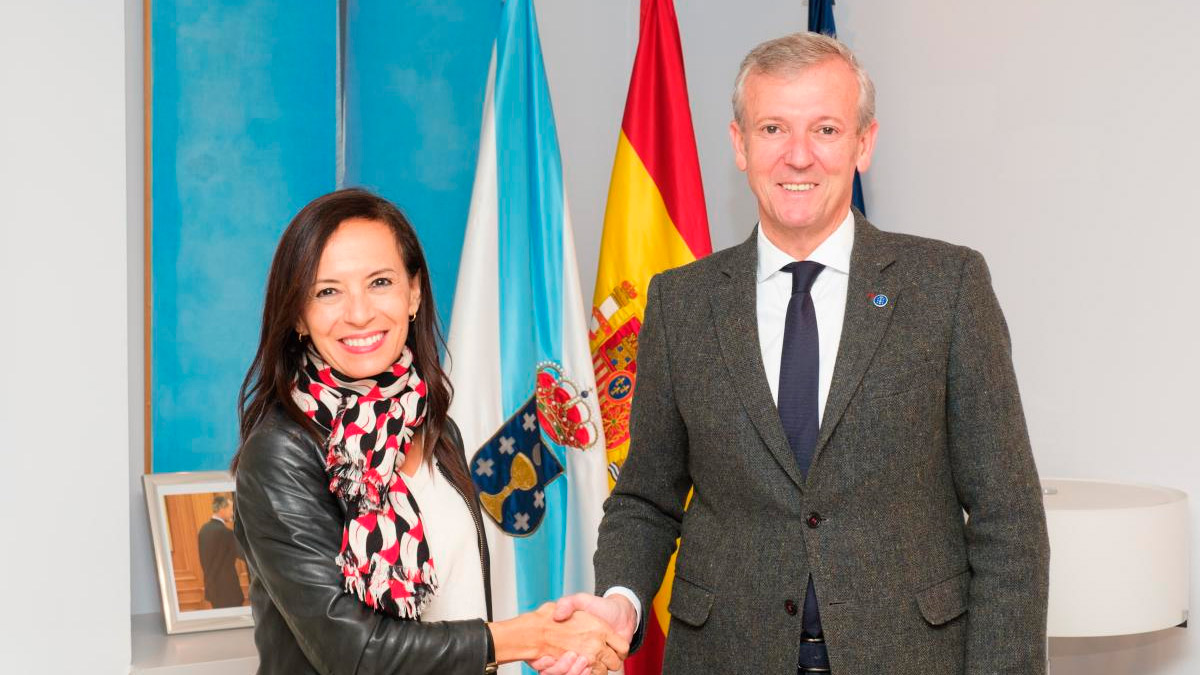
(579,634)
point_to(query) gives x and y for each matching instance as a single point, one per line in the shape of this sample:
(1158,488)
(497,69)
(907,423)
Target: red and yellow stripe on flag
(655,220)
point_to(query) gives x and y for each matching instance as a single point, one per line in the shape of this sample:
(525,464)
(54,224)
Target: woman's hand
(590,640)
(596,646)
(616,610)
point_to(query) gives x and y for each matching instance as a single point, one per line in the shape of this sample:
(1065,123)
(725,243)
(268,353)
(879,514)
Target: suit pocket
(690,603)
(945,600)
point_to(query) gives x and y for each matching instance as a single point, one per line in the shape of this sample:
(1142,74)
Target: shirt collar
(834,252)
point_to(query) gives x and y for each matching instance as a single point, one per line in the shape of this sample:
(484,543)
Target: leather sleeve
(997,484)
(290,526)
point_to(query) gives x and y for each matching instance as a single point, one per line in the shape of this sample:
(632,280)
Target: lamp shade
(1118,557)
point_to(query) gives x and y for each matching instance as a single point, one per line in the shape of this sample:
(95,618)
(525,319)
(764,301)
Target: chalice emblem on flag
(527,453)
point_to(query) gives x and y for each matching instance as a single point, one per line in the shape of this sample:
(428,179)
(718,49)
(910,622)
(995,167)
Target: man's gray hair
(219,502)
(791,55)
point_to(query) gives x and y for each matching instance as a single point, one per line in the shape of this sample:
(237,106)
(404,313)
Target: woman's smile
(363,343)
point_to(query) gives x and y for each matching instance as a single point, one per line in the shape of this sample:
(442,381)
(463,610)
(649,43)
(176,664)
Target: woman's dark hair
(280,354)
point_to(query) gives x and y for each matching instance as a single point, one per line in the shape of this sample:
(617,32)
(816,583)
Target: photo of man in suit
(218,554)
(841,405)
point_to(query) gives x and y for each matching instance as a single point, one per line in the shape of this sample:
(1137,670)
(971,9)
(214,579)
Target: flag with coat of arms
(655,219)
(525,393)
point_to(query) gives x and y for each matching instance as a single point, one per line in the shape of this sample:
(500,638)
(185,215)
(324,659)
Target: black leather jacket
(290,527)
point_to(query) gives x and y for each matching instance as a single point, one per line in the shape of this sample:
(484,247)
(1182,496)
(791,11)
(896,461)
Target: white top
(453,546)
(774,290)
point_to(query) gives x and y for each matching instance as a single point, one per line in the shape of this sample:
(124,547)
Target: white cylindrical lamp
(1118,557)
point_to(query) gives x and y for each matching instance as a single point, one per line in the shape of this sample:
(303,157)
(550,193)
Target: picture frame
(202,577)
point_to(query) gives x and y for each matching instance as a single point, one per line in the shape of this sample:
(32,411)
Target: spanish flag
(655,220)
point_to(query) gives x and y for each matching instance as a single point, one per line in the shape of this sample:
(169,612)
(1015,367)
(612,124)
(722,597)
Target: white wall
(1055,137)
(64,410)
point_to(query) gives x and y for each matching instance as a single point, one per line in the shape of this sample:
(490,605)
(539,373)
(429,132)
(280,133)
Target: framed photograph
(201,570)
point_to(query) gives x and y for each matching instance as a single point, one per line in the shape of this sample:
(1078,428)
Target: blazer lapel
(734,301)
(865,322)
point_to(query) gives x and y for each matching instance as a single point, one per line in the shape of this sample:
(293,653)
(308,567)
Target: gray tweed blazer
(922,423)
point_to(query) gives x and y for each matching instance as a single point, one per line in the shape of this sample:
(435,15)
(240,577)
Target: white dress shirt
(773,290)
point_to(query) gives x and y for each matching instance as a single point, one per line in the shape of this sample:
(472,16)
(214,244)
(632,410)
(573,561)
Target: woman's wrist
(515,639)
(490,665)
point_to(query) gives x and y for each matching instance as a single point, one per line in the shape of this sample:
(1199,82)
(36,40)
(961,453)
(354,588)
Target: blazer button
(789,606)
(814,520)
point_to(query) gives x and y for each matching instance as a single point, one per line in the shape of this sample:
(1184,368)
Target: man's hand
(581,641)
(616,610)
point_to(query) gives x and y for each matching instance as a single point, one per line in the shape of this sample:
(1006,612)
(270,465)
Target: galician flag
(655,220)
(525,396)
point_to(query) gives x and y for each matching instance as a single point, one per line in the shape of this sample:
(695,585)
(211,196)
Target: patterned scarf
(371,423)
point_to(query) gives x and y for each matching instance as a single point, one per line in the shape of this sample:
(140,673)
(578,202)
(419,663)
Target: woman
(355,509)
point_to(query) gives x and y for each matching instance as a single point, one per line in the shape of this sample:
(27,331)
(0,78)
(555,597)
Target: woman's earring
(412,317)
(299,336)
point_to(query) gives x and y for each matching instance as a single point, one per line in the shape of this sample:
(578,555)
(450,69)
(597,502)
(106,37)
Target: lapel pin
(878,299)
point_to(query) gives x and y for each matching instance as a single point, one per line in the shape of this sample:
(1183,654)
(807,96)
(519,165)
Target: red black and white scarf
(371,424)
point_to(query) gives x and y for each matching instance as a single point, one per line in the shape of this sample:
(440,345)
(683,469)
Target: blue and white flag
(525,394)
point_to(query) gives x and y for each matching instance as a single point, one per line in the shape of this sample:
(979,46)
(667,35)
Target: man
(833,420)
(218,550)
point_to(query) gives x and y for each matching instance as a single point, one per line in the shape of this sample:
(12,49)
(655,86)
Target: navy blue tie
(799,365)
(799,377)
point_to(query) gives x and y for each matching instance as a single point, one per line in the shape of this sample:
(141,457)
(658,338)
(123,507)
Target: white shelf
(220,652)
